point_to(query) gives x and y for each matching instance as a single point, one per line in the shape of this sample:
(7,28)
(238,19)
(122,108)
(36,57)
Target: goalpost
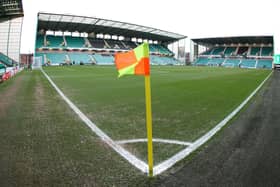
(37,62)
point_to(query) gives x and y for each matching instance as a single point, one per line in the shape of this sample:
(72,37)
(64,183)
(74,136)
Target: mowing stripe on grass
(124,153)
(182,154)
(154,140)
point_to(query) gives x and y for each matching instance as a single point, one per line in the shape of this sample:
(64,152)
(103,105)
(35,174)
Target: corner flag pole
(149,123)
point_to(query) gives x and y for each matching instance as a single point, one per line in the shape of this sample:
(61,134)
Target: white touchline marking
(154,140)
(163,166)
(124,153)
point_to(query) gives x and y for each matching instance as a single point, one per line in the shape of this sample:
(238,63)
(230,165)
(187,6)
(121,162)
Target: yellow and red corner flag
(134,62)
(137,62)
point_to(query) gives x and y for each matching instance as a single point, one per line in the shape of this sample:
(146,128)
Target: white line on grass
(124,153)
(154,140)
(182,154)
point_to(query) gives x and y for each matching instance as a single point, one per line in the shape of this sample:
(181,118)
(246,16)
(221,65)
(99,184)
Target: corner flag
(134,62)
(137,62)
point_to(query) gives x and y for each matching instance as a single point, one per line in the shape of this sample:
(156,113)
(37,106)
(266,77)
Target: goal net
(37,63)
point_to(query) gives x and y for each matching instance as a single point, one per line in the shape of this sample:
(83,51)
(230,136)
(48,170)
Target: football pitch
(45,143)
(186,102)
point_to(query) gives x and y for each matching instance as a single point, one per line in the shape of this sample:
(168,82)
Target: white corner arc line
(160,140)
(124,153)
(163,166)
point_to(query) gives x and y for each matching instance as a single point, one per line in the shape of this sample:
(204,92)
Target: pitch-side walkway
(245,153)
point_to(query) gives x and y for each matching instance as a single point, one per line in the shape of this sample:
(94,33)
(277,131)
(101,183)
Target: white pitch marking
(182,154)
(154,140)
(124,153)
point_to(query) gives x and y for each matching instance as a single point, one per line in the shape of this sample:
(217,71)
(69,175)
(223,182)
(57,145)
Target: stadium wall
(10,36)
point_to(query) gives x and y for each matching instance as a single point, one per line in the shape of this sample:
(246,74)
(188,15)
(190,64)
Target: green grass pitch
(44,143)
(186,101)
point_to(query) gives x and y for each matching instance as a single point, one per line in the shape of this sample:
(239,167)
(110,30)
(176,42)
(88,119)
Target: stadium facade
(11,19)
(69,39)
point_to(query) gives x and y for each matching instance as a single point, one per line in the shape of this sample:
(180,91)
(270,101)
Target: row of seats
(231,51)
(51,41)
(228,62)
(154,48)
(102,59)
(163,60)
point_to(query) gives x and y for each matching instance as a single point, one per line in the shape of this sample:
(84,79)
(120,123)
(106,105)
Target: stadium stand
(75,42)
(103,59)
(11,21)
(201,61)
(91,46)
(218,50)
(6,60)
(255,51)
(266,51)
(229,51)
(56,58)
(231,62)
(40,41)
(78,58)
(55,41)
(244,52)
(163,60)
(264,63)
(248,63)
(42,56)
(165,56)
(115,44)
(97,43)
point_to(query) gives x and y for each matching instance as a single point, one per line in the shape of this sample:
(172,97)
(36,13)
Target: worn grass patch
(43,143)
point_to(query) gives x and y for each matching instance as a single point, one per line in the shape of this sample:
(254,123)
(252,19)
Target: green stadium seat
(55,42)
(248,63)
(267,51)
(77,58)
(218,50)
(39,41)
(264,63)
(56,58)
(229,51)
(75,42)
(103,59)
(231,62)
(255,51)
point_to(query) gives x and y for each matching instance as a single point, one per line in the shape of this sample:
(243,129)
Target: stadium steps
(6,60)
(107,45)
(87,43)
